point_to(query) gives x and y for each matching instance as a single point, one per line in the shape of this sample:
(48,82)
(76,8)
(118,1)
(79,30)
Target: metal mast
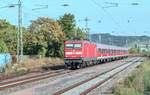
(19,34)
(87,29)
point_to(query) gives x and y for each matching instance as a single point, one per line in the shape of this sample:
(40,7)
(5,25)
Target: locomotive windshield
(69,45)
(73,46)
(77,45)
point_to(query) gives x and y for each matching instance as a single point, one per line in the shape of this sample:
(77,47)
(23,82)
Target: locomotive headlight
(78,52)
(68,52)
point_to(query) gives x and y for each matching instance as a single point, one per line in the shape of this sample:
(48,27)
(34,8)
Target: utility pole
(86,20)
(19,34)
(87,29)
(126,43)
(100,38)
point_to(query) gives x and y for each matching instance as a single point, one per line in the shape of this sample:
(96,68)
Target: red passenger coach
(83,53)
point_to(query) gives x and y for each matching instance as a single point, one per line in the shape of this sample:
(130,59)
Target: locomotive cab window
(74,46)
(77,45)
(69,45)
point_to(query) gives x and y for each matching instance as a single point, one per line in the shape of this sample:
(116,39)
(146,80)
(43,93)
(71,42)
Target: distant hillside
(119,40)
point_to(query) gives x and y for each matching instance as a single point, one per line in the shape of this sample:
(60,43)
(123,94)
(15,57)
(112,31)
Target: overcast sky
(125,19)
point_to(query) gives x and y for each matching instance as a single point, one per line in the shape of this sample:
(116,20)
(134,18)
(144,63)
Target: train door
(86,50)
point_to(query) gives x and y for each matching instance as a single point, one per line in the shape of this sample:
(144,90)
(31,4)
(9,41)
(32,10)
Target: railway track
(13,83)
(86,86)
(17,82)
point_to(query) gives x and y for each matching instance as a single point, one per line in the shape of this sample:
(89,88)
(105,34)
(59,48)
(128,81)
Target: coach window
(111,51)
(115,51)
(100,50)
(107,50)
(77,45)
(104,50)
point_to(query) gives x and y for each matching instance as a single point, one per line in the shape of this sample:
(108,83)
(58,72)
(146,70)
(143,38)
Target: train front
(73,54)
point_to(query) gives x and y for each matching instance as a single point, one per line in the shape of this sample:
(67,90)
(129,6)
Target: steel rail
(17,82)
(13,83)
(101,82)
(82,82)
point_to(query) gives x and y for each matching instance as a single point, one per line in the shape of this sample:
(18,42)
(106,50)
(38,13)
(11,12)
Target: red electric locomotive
(83,53)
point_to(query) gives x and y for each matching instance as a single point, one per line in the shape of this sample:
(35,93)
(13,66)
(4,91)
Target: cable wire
(108,14)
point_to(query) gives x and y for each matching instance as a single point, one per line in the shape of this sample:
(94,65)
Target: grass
(136,84)
(31,64)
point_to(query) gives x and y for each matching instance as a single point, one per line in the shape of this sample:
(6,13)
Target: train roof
(104,46)
(77,41)
(101,46)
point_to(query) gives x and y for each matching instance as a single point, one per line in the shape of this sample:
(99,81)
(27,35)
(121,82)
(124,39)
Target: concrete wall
(4,59)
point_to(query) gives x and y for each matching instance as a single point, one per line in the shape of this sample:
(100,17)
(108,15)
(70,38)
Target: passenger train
(78,54)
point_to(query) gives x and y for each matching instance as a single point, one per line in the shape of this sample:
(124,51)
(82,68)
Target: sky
(126,19)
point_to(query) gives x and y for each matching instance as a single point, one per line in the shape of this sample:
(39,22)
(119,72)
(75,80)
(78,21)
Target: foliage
(80,34)
(134,50)
(8,35)
(68,25)
(3,47)
(67,22)
(137,84)
(45,37)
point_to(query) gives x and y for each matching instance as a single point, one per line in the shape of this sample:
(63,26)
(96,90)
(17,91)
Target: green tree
(45,37)
(80,34)
(8,33)
(134,50)
(3,47)
(68,25)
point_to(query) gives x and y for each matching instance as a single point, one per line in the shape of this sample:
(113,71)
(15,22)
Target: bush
(3,47)
(137,84)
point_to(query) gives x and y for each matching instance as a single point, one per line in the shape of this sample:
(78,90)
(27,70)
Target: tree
(45,37)
(8,34)
(67,22)
(80,34)
(134,50)
(3,47)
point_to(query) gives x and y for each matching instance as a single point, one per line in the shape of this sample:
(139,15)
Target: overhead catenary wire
(108,14)
(7,1)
